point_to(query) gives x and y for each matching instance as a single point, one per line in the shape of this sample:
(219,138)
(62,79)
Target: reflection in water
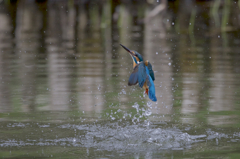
(27,45)
(158,52)
(65,56)
(90,65)
(90,82)
(83,60)
(190,93)
(59,57)
(126,32)
(222,83)
(59,81)
(5,55)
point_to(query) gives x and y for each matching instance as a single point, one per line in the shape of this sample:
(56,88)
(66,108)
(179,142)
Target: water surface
(63,80)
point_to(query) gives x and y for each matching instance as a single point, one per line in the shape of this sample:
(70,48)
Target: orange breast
(145,87)
(134,64)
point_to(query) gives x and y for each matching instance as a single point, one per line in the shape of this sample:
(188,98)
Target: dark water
(63,80)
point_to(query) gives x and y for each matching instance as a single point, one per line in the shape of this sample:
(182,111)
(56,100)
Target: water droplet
(123,91)
(149,104)
(136,106)
(99,87)
(113,118)
(148,112)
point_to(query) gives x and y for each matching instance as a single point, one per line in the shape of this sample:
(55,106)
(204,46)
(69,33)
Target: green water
(63,80)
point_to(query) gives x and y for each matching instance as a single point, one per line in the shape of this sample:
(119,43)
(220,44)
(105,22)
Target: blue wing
(138,75)
(142,74)
(151,73)
(133,79)
(151,87)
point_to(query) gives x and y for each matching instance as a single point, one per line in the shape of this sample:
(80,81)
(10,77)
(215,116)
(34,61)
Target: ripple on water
(111,136)
(16,125)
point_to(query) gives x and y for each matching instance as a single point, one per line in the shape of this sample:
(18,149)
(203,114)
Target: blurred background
(61,62)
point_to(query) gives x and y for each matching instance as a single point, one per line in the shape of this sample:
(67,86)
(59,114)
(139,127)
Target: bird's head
(134,54)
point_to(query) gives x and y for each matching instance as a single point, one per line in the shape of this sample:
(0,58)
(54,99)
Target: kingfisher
(142,74)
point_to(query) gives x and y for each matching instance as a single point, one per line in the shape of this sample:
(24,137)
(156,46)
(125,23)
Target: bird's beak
(128,50)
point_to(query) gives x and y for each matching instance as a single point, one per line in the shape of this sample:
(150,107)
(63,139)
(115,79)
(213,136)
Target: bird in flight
(142,74)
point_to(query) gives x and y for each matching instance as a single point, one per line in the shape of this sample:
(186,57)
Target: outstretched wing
(138,75)
(133,79)
(151,88)
(151,73)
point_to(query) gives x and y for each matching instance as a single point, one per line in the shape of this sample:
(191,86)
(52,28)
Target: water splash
(148,112)
(136,106)
(129,138)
